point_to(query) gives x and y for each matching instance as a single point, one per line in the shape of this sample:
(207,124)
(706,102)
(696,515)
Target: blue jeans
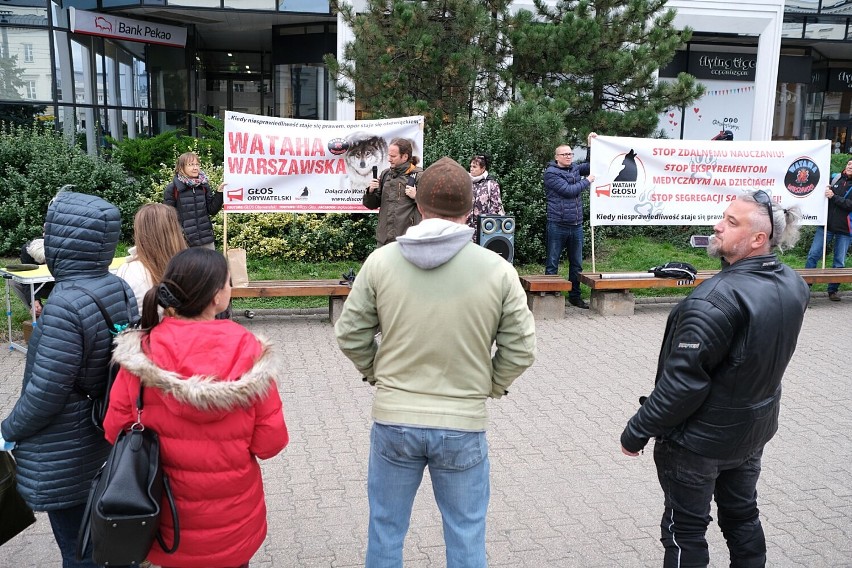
(459,468)
(841,246)
(66,524)
(564,236)
(689,482)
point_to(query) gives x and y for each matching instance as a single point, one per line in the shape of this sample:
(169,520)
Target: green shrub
(35,163)
(838,163)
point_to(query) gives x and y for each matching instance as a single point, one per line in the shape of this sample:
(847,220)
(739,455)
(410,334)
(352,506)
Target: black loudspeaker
(497,233)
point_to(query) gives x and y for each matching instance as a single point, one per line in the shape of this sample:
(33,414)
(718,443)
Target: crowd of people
(437,324)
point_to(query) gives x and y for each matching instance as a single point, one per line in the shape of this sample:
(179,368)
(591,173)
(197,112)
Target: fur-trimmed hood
(240,384)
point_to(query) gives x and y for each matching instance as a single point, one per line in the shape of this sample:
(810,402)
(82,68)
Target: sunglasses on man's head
(763,198)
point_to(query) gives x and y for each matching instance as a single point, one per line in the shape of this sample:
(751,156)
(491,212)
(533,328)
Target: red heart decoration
(675,123)
(695,110)
(671,114)
(670,122)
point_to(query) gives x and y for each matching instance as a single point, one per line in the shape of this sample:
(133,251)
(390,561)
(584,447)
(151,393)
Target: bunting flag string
(729,91)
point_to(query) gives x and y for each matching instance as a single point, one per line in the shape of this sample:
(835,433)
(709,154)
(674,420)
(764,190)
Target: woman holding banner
(190,194)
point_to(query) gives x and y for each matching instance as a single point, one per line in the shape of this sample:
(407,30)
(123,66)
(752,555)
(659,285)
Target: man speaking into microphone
(393,192)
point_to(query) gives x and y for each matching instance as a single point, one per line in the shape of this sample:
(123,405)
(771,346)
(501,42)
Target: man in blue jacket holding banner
(564,184)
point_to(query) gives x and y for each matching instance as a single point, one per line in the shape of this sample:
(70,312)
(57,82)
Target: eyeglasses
(763,198)
(566,154)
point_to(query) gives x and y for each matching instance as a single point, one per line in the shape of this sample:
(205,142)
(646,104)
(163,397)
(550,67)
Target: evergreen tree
(594,63)
(444,59)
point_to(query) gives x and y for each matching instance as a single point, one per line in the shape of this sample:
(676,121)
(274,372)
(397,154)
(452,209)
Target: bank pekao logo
(627,172)
(802,177)
(103,24)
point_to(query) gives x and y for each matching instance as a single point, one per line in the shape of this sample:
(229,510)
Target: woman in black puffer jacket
(195,202)
(58,448)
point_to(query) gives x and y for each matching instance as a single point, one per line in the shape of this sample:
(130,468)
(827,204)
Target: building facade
(85,68)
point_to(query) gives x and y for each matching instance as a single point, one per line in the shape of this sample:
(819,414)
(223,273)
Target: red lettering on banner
(235,165)
(238,142)
(285,167)
(272,140)
(256,145)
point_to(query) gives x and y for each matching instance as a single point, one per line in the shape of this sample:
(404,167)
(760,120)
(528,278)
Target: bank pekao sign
(108,25)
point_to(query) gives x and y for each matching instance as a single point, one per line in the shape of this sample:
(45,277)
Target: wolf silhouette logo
(628,171)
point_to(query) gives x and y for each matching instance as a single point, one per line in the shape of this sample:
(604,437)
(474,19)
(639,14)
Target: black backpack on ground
(101,402)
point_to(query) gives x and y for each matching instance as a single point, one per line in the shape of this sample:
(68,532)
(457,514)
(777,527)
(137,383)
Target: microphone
(375,172)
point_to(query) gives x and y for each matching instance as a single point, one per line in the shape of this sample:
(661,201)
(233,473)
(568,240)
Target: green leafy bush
(35,163)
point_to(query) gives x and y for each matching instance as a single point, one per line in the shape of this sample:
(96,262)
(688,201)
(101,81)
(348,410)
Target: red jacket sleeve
(270,432)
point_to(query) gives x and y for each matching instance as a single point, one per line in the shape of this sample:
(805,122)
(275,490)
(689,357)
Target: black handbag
(122,515)
(15,514)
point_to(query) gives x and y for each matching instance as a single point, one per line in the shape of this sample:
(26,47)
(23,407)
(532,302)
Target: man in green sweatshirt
(442,303)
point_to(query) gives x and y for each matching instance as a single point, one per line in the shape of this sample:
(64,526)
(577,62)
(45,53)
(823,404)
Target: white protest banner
(309,166)
(647,181)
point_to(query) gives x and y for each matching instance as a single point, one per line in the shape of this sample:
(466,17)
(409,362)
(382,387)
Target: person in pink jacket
(211,396)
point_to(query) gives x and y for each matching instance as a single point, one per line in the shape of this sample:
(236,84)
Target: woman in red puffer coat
(211,396)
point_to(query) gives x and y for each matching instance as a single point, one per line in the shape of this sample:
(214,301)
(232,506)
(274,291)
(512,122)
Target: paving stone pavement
(563,495)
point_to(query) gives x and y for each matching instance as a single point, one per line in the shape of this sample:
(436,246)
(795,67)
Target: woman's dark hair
(483,159)
(192,278)
(404,145)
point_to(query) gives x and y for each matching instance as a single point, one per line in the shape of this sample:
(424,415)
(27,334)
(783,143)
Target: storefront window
(825,30)
(28,14)
(789,111)
(836,7)
(793,27)
(251,4)
(802,6)
(196,3)
(311,6)
(301,91)
(25,71)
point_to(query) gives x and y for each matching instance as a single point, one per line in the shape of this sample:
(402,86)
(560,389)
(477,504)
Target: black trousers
(689,482)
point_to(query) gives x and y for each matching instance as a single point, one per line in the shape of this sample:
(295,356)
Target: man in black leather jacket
(717,394)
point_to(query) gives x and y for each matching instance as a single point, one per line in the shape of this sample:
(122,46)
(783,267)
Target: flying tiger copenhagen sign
(311,166)
(641,181)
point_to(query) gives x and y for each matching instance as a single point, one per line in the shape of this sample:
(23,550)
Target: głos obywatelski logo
(256,194)
(802,177)
(627,172)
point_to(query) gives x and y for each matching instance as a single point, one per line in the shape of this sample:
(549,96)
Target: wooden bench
(334,289)
(611,292)
(544,295)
